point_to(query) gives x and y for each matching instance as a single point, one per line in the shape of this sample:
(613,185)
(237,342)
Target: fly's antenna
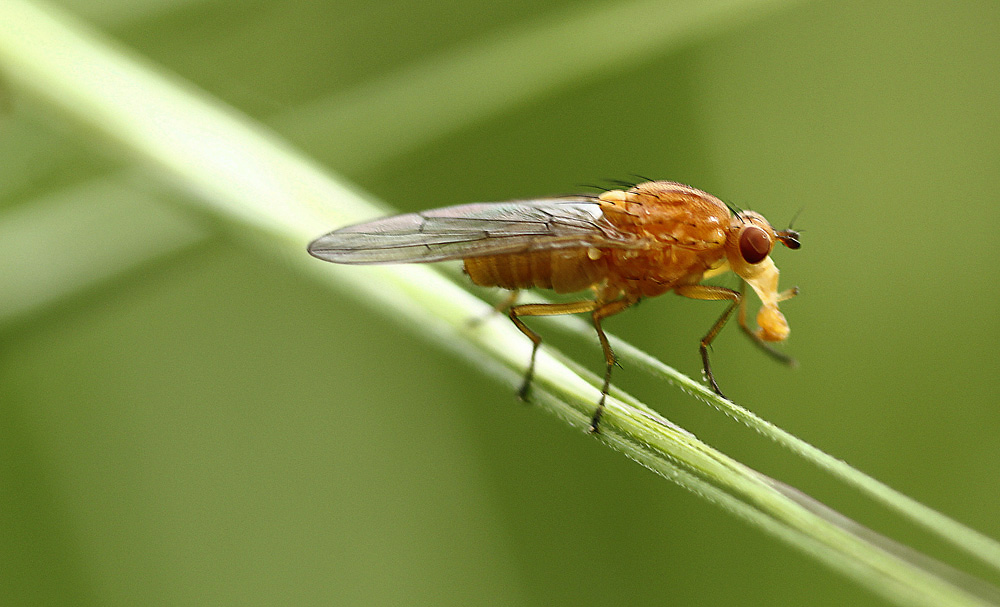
(795,218)
(790,236)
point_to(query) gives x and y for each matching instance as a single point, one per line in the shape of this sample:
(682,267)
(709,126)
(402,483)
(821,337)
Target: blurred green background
(173,427)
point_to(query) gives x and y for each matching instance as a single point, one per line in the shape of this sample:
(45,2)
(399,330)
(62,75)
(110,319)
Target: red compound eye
(755,244)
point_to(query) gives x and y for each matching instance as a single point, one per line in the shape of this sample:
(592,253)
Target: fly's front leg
(515,312)
(598,315)
(712,293)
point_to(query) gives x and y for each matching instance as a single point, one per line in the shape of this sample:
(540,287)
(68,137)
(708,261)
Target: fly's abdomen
(562,270)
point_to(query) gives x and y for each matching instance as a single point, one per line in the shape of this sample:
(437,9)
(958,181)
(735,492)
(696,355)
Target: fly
(622,246)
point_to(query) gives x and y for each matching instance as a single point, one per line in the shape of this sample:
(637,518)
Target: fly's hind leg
(515,312)
(712,293)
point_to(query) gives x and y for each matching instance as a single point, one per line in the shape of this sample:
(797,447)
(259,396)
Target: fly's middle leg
(598,315)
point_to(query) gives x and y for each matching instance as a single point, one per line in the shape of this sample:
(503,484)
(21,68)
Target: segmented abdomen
(562,270)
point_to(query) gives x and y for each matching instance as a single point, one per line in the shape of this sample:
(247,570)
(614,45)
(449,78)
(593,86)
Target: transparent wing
(474,230)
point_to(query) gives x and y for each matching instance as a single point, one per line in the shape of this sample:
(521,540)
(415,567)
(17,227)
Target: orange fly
(623,245)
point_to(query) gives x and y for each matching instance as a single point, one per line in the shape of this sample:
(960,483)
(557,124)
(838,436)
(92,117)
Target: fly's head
(749,242)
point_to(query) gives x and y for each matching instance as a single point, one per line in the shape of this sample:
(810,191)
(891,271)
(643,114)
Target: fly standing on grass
(623,245)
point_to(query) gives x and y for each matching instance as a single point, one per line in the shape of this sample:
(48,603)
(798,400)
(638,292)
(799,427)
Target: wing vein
(475,230)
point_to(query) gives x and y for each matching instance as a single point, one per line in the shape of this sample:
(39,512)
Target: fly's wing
(474,230)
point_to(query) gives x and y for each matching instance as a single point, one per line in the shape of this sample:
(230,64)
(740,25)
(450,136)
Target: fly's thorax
(668,213)
(683,231)
(654,270)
